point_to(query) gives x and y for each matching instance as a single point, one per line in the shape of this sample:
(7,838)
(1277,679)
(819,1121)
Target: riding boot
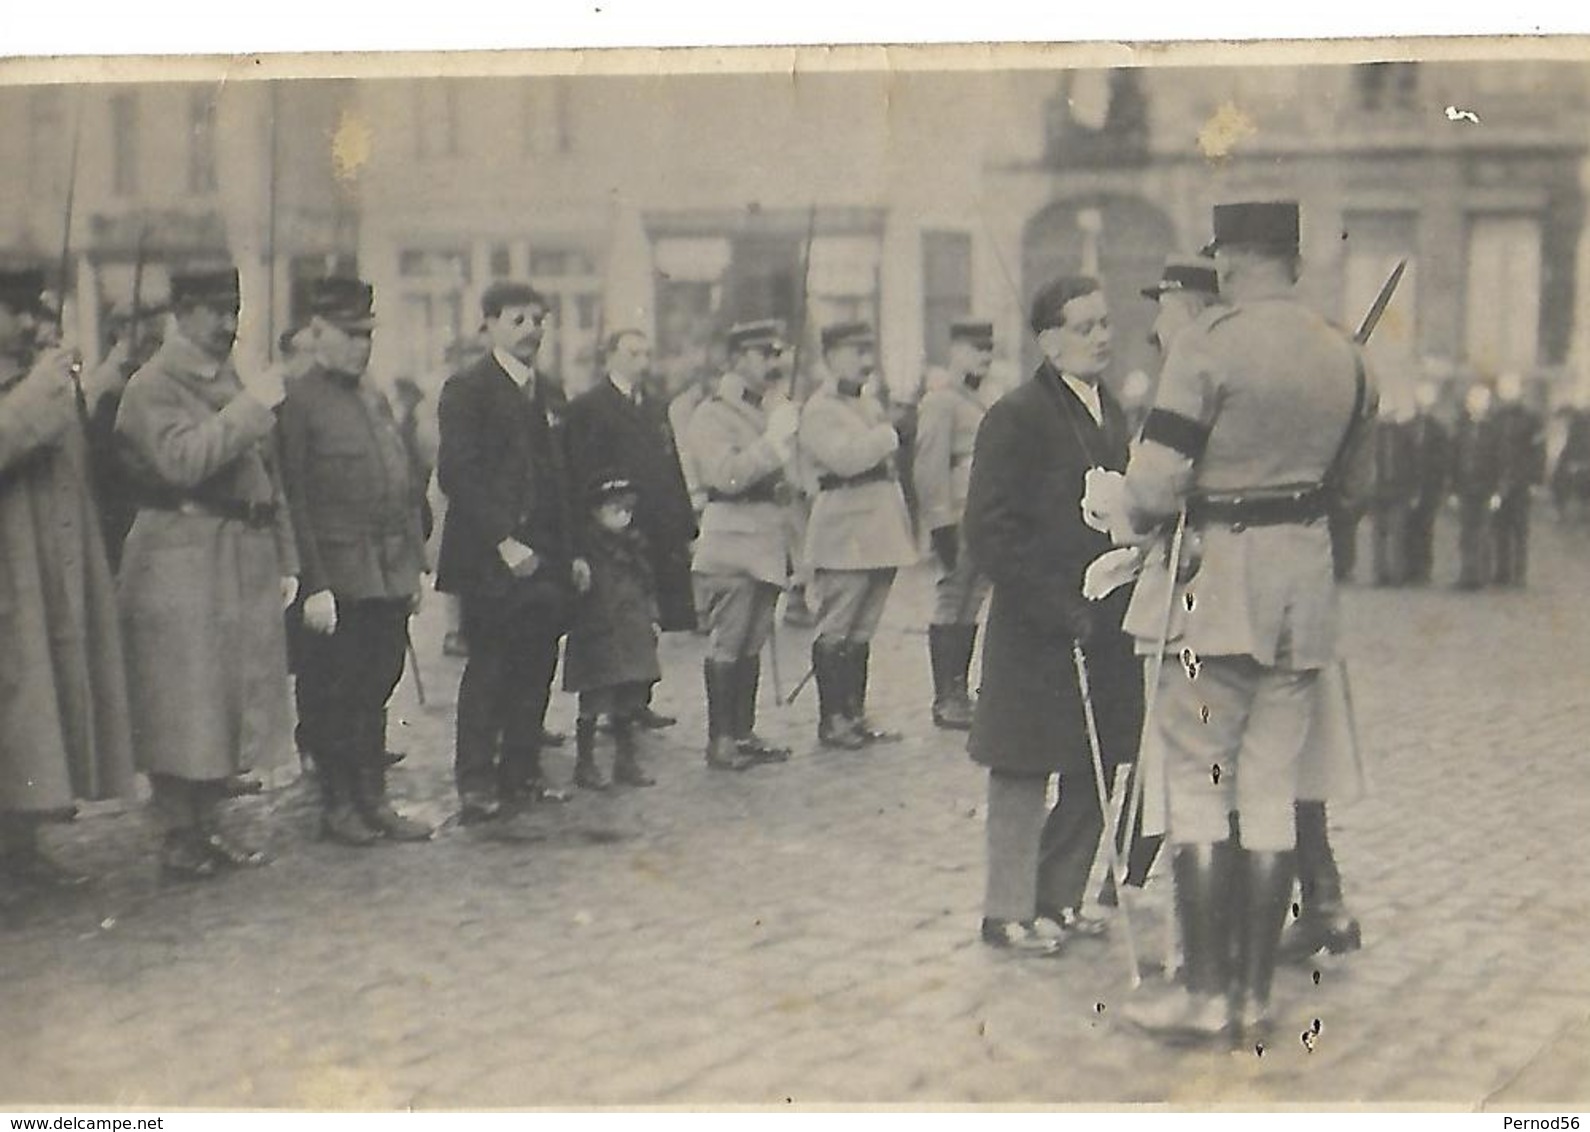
(587,775)
(375,804)
(723,751)
(747,680)
(1323,921)
(951,705)
(340,820)
(1197,1010)
(626,764)
(1264,887)
(835,728)
(858,655)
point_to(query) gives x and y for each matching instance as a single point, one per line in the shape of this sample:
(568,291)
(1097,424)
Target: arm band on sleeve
(1176,432)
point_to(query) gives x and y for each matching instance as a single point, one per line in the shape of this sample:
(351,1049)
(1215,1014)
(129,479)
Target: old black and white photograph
(797,578)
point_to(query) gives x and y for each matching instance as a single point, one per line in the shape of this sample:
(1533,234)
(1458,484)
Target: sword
(414,666)
(1382,301)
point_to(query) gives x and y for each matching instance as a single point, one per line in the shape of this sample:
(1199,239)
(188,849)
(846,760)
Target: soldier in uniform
(356,514)
(1254,429)
(946,433)
(1396,491)
(209,566)
(1523,453)
(1477,487)
(739,442)
(64,726)
(858,535)
(1429,455)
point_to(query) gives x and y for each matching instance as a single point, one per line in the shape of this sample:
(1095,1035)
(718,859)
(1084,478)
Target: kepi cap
(1272,225)
(761,333)
(847,334)
(607,487)
(218,289)
(344,302)
(23,291)
(979,333)
(1186,273)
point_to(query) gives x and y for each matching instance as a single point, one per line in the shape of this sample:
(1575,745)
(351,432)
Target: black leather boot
(747,680)
(587,775)
(949,648)
(375,804)
(723,751)
(835,727)
(1264,888)
(340,821)
(626,763)
(1323,922)
(858,660)
(1197,1011)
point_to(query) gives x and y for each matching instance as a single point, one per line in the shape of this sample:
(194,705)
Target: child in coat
(611,657)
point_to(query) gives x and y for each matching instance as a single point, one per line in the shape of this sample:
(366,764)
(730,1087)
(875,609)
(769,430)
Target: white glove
(1103,498)
(1110,571)
(289,590)
(320,612)
(783,421)
(267,385)
(519,558)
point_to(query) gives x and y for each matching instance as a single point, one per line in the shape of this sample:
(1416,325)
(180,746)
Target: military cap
(218,289)
(504,293)
(23,291)
(1186,273)
(604,488)
(1272,225)
(764,332)
(1049,304)
(847,334)
(978,333)
(344,302)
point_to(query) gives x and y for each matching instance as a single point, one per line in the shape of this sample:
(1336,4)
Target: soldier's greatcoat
(200,592)
(744,528)
(63,698)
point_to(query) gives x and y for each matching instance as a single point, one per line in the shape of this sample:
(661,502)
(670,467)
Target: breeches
(850,602)
(739,611)
(1232,737)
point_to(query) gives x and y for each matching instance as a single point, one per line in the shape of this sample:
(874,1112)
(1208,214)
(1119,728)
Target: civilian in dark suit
(507,552)
(1429,449)
(1024,525)
(619,428)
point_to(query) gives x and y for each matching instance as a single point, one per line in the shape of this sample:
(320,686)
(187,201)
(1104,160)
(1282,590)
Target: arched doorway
(1124,241)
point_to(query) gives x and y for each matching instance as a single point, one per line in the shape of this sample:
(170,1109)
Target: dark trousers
(1389,528)
(346,677)
(1038,861)
(1419,536)
(502,698)
(180,804)
(1343,527)
(1512,539)
(1476,542)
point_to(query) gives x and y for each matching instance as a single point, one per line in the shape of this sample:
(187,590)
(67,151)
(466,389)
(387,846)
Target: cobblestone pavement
(806,934)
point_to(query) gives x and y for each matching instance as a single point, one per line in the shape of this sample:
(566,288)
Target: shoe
(651,720)
(36,869)
(587,775)
(1331,930)
(476,809)
(858,659)
(760,750)
(1074,922)
(1019,938)
(537,790)
(242,786)
(950,652)
(375,805)
(747,680)
(342,825)
(183,858)
(724,753)
(626,764)
(231,854)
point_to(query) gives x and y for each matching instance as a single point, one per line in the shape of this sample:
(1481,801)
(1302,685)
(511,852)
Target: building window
(1386,86)
(124,144)
(45,131)
(436,118)
(946,289)
(433,282)
(546,117)
(501,261)
(1502,326)
(568,278)
(201,142)
(1098,118)
(1375,242)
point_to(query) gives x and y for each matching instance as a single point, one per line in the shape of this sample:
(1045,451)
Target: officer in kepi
(859,533)
(356,515)
(946,434)
(1256,430)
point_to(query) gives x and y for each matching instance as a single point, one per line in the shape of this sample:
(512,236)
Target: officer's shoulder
(1222,316)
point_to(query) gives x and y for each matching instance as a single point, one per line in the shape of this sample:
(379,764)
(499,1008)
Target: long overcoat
(201,593)
(611,435)
(1024,527)
(64,726)
(611,641)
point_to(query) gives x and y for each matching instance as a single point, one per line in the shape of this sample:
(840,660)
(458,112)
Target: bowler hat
(344,302)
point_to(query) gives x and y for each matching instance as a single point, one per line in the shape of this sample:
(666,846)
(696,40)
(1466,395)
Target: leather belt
(764,492)
(1266,508)
(878,473)
(249,513)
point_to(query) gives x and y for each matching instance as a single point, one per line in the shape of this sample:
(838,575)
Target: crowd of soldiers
(258,522)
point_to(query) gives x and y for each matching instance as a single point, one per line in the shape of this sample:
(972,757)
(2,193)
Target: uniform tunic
(201,592)
(64,724)
(861,526)
(946,436)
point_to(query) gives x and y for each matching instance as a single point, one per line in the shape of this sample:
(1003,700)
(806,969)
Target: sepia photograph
(991,576)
